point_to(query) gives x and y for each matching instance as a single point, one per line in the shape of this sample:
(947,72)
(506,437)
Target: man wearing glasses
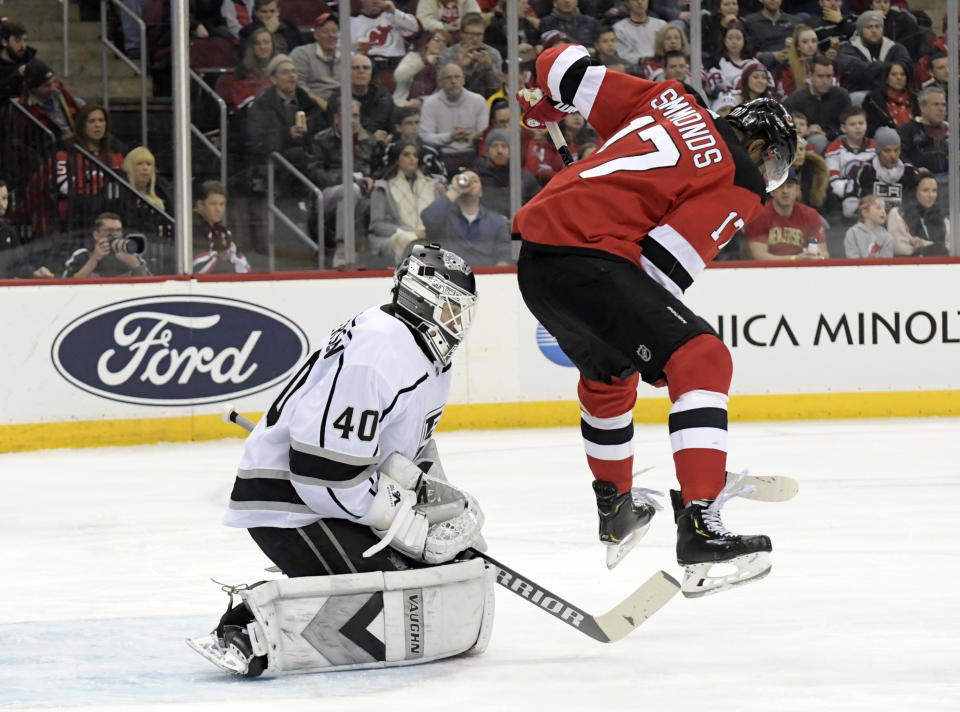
(481,63)
(380,31)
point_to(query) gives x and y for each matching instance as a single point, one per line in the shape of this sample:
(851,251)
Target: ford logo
(178,350)
(549,348)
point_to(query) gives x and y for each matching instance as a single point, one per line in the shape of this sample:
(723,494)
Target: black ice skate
(232,652)
(624,518)
(704,543)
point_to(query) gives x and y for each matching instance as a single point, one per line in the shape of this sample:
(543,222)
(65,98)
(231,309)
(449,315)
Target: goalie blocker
(355,621)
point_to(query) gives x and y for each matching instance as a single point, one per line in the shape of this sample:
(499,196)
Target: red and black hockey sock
(698,374)
(606,423)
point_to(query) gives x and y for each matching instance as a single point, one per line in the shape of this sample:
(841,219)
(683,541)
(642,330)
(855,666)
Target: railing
(140,69)
(66,41)
(221,152)
(274,212)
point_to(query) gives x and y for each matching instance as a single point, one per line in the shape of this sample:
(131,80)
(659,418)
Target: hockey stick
(556,135)
(609,627)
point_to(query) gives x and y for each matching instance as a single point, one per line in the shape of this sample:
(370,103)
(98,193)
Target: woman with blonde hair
(140,211)
(141,169)
(800,53)
(669,38)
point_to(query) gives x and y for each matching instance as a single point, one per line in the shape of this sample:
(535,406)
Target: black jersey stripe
(698,418)
(264,489)
(305,464)
(599,436)
(326,408)
(665,261)
(400,393)
(570,82)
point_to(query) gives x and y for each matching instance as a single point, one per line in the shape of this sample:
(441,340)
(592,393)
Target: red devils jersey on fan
(659,192)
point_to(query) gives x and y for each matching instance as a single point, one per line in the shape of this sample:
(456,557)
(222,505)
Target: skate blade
(698,581)
(617,552)
(228,661)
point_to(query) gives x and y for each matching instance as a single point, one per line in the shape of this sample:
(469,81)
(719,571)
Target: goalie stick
(608,627)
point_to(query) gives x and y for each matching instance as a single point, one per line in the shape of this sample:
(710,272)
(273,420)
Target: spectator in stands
(893,103)
(444,15)
(326,170)
(105,256)
(528,30)
(899,26)
(237,14)
(832,27)
(494,173)
(48,100)
(918,225)
(755,82)
(206,20)
(567,18)
(799,64)
(283,117)
(376,104)
(867,52)
(14,56)
(250,77)
(458,222)
(845,155)
(318,64)
(939,70)
(480,63)
(814,176)
(286,35)
(734,54)
(675,66)
(14,257)
(542,159)
(453,118)
(93,135)
(381,31)
(636,32)
(924,140)
(886,175)
(416,75)
(768,31)
(397,201)
(821,102)
(140,211)
(576,131)
(214,249)
(669,40)
(131,31)
(869,237)
(786,229)
(406,127)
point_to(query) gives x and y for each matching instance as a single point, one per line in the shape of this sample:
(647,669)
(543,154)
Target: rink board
(119,363)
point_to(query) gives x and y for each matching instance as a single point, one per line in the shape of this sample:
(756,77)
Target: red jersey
(786,235)
(659,192)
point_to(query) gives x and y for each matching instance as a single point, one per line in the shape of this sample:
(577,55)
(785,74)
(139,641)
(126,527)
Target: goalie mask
(767,119)
(435,293)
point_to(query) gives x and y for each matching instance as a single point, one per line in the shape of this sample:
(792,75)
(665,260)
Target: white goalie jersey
(369,392)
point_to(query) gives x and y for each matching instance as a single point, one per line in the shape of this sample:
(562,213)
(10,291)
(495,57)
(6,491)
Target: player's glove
(536,109)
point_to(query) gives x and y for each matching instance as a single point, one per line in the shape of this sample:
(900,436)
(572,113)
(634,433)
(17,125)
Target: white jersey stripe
(609,452)
(659,277)
(587,91)
(559,67)
(680,248)
(614,423)
(267,474)
(699,438)
(700,399)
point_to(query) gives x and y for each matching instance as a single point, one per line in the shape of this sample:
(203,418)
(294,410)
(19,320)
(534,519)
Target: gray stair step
(34,12)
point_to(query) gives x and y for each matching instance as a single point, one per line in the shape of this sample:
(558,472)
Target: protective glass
(776,165)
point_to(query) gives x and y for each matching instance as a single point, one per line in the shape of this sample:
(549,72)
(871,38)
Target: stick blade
(769,488)
(653,595)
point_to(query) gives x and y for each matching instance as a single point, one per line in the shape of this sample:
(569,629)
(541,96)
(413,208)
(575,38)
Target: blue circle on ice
(549,348)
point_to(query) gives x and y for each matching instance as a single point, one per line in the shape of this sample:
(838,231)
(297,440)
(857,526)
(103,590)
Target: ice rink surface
(107,556)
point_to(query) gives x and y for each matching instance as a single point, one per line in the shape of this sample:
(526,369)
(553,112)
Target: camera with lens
(132,244)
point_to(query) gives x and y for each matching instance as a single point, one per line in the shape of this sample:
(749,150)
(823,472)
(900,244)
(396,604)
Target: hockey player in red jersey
(609,247)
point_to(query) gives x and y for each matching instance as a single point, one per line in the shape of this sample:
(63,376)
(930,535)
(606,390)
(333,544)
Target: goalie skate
(624,518)
(714,559)
(233,654)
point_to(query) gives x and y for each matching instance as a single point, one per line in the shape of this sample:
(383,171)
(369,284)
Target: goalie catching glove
(427,519)
(536,109)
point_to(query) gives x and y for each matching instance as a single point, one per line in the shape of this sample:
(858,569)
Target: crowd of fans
(865,80)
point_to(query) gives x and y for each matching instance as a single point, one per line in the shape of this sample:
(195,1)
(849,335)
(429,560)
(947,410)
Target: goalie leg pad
(372,620)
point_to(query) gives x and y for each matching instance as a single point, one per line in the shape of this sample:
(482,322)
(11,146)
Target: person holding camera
(481,63)
(110,254)
(214,249)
